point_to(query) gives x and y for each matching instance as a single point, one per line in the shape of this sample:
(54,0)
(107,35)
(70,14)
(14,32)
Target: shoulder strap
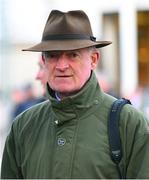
(113,130)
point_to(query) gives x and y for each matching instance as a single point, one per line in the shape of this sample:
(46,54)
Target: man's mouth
(64,76)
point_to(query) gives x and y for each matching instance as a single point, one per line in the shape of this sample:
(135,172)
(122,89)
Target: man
(66,137)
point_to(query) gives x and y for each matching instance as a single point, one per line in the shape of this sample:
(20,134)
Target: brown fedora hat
(67,31)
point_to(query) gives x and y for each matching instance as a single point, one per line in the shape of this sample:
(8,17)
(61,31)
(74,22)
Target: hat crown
(71,22)
(67,31)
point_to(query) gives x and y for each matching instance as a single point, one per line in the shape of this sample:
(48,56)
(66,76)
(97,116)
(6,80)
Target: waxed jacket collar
(89,96)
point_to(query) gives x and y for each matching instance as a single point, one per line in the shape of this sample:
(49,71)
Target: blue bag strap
(113,131)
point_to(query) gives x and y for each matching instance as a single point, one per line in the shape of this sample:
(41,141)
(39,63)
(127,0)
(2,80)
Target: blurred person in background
(25,97)
(105,84)
(136,97)
(28,100)
(42,75)
(140,99)
(66,137)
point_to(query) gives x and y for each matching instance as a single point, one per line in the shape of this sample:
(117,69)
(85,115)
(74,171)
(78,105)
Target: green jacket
(68,139)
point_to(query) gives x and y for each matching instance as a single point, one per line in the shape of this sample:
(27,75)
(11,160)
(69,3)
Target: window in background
(143,47)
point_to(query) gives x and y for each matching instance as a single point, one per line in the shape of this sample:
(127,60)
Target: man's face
(68,71)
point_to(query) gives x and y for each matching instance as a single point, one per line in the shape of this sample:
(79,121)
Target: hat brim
(59,45)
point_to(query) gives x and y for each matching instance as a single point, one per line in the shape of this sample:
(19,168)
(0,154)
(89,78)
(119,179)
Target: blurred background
(124,67)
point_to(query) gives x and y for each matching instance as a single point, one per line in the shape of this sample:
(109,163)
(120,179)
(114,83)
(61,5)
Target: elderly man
(67,136)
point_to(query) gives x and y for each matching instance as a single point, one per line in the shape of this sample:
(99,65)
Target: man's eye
(73,55)
(53,56)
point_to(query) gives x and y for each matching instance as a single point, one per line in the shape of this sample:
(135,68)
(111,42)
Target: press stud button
(61,141)
(56,121)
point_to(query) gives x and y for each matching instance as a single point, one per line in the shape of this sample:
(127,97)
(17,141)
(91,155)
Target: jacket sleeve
(10,168)
(139,162)
(137,152)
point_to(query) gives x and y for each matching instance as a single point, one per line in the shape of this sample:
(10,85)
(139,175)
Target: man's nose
(62,62)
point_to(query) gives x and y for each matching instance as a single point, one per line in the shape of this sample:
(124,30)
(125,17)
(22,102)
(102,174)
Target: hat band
(68,37)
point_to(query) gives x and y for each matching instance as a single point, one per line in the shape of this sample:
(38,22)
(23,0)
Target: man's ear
(95,58)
